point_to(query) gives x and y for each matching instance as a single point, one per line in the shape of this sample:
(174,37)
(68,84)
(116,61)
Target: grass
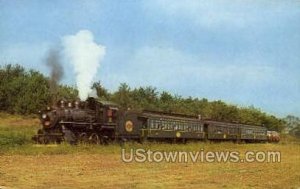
(27,165)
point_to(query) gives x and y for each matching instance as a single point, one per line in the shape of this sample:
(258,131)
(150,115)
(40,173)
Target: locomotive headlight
(47,123)
(44,116)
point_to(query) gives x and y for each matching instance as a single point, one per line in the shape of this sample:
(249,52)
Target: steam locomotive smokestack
(56,71)
(85,55)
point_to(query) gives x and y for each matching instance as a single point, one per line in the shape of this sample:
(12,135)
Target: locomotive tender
(95,121)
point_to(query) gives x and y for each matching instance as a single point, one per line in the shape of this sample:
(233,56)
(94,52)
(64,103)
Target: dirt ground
(64,166)
(84,170)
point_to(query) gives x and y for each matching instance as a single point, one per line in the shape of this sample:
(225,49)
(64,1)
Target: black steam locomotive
(95,121)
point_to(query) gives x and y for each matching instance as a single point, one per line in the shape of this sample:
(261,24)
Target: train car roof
(103,102)
(158,114)
(106,103)
(231,123)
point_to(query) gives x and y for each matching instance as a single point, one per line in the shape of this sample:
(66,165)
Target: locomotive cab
(106,111)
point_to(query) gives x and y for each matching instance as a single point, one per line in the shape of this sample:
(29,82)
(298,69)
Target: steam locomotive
(101,122)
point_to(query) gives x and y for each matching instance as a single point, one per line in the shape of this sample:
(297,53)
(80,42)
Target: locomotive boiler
(79,121)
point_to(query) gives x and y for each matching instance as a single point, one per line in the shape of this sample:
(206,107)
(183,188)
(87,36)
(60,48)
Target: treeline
(292,125)
(26,92)
(149,98)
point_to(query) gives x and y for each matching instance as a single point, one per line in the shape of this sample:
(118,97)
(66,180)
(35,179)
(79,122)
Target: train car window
(214,129)
(157,124)
(180,123)
(249,131)
(152,124)
(176,128)
(192,127)
(163,123)
(167,126)
(186,126)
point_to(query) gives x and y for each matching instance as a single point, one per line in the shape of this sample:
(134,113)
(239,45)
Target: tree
(26,92)
(102,93)
(122,96)
(22,91)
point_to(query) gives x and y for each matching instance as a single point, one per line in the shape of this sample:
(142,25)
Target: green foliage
(102,93)
(293,125)
(296,131)
(149,98)
(15,136)
(67,92)
(22,91)
(123,96)
(26,92)
(12,139)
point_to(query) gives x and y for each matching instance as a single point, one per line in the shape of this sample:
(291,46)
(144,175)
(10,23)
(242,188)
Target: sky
(245,53)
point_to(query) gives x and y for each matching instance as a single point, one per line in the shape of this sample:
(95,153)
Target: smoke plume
(85,55)
(56,71)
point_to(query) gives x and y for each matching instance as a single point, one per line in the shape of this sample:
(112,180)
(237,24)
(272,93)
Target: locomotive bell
(62,104)
(76,104)
(69,105)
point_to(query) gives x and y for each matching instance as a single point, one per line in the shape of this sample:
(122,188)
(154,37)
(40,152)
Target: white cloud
(221,13)
(169,69)
(167,63)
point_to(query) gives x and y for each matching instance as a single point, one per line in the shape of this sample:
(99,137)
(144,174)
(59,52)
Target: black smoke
(53,62)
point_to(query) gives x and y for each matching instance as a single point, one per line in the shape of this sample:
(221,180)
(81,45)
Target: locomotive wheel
(44,140)
(83,138)
(94,138)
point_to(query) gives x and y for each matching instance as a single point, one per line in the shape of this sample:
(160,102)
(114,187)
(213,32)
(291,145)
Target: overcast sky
(242,52)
